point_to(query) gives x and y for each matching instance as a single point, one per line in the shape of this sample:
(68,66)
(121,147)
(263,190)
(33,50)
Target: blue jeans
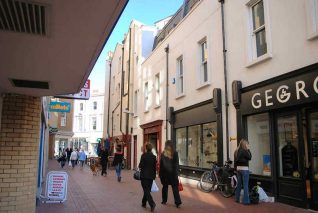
(118,169)
(242,179)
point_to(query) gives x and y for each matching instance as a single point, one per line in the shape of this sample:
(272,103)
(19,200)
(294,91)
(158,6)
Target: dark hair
(148,147)
(169,144)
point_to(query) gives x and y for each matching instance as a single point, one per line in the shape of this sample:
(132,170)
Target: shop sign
(56,186)
(293,91)
(60,107)
(84,94)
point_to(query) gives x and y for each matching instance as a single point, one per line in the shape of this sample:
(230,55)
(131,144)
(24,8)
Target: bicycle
(219,178)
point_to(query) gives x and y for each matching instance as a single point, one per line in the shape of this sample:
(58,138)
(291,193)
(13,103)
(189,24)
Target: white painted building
(88,122)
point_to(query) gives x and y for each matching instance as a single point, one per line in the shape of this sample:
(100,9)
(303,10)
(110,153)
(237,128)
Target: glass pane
(194,146)
(288,146)
(261,45)
(181,146)
(181,67)
(209,144)
(205,72)
(314,145)
(258,15)
(204,53)
(259,138)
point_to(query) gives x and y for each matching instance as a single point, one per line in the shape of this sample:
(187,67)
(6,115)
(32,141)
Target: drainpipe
(167,85)
(225,83)
(110,71)
(128,92)
(122,87)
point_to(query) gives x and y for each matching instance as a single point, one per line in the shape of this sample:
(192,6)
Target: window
(146,97)
(94,123)
(118,91)
(81,106)
(95,105)
(119,64)
(157,88)
(312,18)
(203,62)
(259,138)
(135,102)
(179,76)
(258,44)
(197,144)
(80,123)
(63,118)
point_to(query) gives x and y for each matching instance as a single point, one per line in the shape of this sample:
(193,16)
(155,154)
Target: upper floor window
(94,122)
(203,61)
(312,18)
(118,91)
(157,88)
(95,105)
(146,96)
(180,76)
(80,123)
(135,102)
(81,106)
(63,118)
(258,37)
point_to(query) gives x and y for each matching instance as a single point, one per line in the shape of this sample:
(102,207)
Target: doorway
(153,140)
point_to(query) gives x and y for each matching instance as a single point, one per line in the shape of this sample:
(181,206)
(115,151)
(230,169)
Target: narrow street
(88,193)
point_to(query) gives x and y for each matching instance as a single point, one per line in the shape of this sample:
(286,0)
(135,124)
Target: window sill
(260,59)
(312,36)
(157,106)
(203,85)
(146,111)
(180,96)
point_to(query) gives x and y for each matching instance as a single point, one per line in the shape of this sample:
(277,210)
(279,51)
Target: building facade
(88,122)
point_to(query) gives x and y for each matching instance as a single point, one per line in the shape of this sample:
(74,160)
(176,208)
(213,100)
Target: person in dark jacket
(168,173)
(104,159)
(147,168)
(118,160)
(242,156)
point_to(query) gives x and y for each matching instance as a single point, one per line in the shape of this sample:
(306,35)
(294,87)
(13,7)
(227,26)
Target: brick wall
(19,141)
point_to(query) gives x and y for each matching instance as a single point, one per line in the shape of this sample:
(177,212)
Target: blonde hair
(168,151)
(243,144)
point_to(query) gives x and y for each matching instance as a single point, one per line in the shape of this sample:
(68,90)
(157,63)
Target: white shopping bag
(154,187)
(262,195)
(70,163)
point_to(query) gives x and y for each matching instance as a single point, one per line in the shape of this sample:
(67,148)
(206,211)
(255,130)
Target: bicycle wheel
(206,181)
(226,188)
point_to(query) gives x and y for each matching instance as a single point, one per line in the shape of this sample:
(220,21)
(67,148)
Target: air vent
(30,84)
(23,17)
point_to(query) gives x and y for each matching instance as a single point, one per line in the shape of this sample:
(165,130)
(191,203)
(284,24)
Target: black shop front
(279,117)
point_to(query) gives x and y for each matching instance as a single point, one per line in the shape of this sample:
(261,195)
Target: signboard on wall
(59,107)
(84,94)
(56,186)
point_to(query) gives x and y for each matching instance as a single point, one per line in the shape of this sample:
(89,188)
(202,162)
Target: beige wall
(19,143)
(69,117)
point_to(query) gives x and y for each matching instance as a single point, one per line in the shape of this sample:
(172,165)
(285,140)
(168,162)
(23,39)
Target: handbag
(137,174)
(180,187)
(154,187)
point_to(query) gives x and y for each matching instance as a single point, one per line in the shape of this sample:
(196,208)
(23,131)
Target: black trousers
(146,186)
(175,190)
(104,168)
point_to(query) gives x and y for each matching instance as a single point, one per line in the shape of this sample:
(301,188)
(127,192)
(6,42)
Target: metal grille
(23,17)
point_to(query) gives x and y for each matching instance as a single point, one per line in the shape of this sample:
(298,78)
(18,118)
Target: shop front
(198,138)
(279,117)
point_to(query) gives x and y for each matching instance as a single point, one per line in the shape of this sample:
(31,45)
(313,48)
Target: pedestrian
(62,159)
(168,173)
(68,154)
(242,156)
(82,157)
(104,159)
(147,168)
(118,160)
(73,158)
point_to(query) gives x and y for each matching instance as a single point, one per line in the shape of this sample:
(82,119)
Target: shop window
(314,144)
(194,148)
(288,146)
(181,146)
(259,139)
(209,144)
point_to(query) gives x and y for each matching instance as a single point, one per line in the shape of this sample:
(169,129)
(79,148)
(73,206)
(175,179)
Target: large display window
(259,138)
(197,144)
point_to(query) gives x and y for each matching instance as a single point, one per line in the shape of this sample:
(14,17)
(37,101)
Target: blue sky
(145,11)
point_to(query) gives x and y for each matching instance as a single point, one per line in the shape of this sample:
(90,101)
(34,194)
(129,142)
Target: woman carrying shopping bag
(147,168)
(168,173)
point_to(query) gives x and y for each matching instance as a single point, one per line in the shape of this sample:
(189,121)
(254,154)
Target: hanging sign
(84,94)
(60,107)
(56,186)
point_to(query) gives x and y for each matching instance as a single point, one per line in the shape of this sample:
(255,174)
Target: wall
(19,144)
(1,100)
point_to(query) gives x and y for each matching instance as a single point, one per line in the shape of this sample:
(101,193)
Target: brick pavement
(95,194)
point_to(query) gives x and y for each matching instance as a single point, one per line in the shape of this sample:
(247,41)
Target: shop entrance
(296,135)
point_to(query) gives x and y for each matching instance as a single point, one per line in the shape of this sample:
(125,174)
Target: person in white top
(73,158)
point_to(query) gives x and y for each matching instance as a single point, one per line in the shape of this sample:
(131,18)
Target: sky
(144,11)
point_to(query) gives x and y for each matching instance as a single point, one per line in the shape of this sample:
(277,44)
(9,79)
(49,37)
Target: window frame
(157,90)
(201,69)
(312,19)
(94,118)
(63,119)
(94,105)
(252,58)
(146,97)
(135,109)
(180,77)
(81,106)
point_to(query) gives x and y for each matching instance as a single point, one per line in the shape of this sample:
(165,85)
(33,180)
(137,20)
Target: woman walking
(168,173)
(82,157)
(147,168)
(118,160)
(73,158)
(242,156)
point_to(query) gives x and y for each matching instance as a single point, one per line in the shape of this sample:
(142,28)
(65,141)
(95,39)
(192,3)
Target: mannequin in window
(289,159)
